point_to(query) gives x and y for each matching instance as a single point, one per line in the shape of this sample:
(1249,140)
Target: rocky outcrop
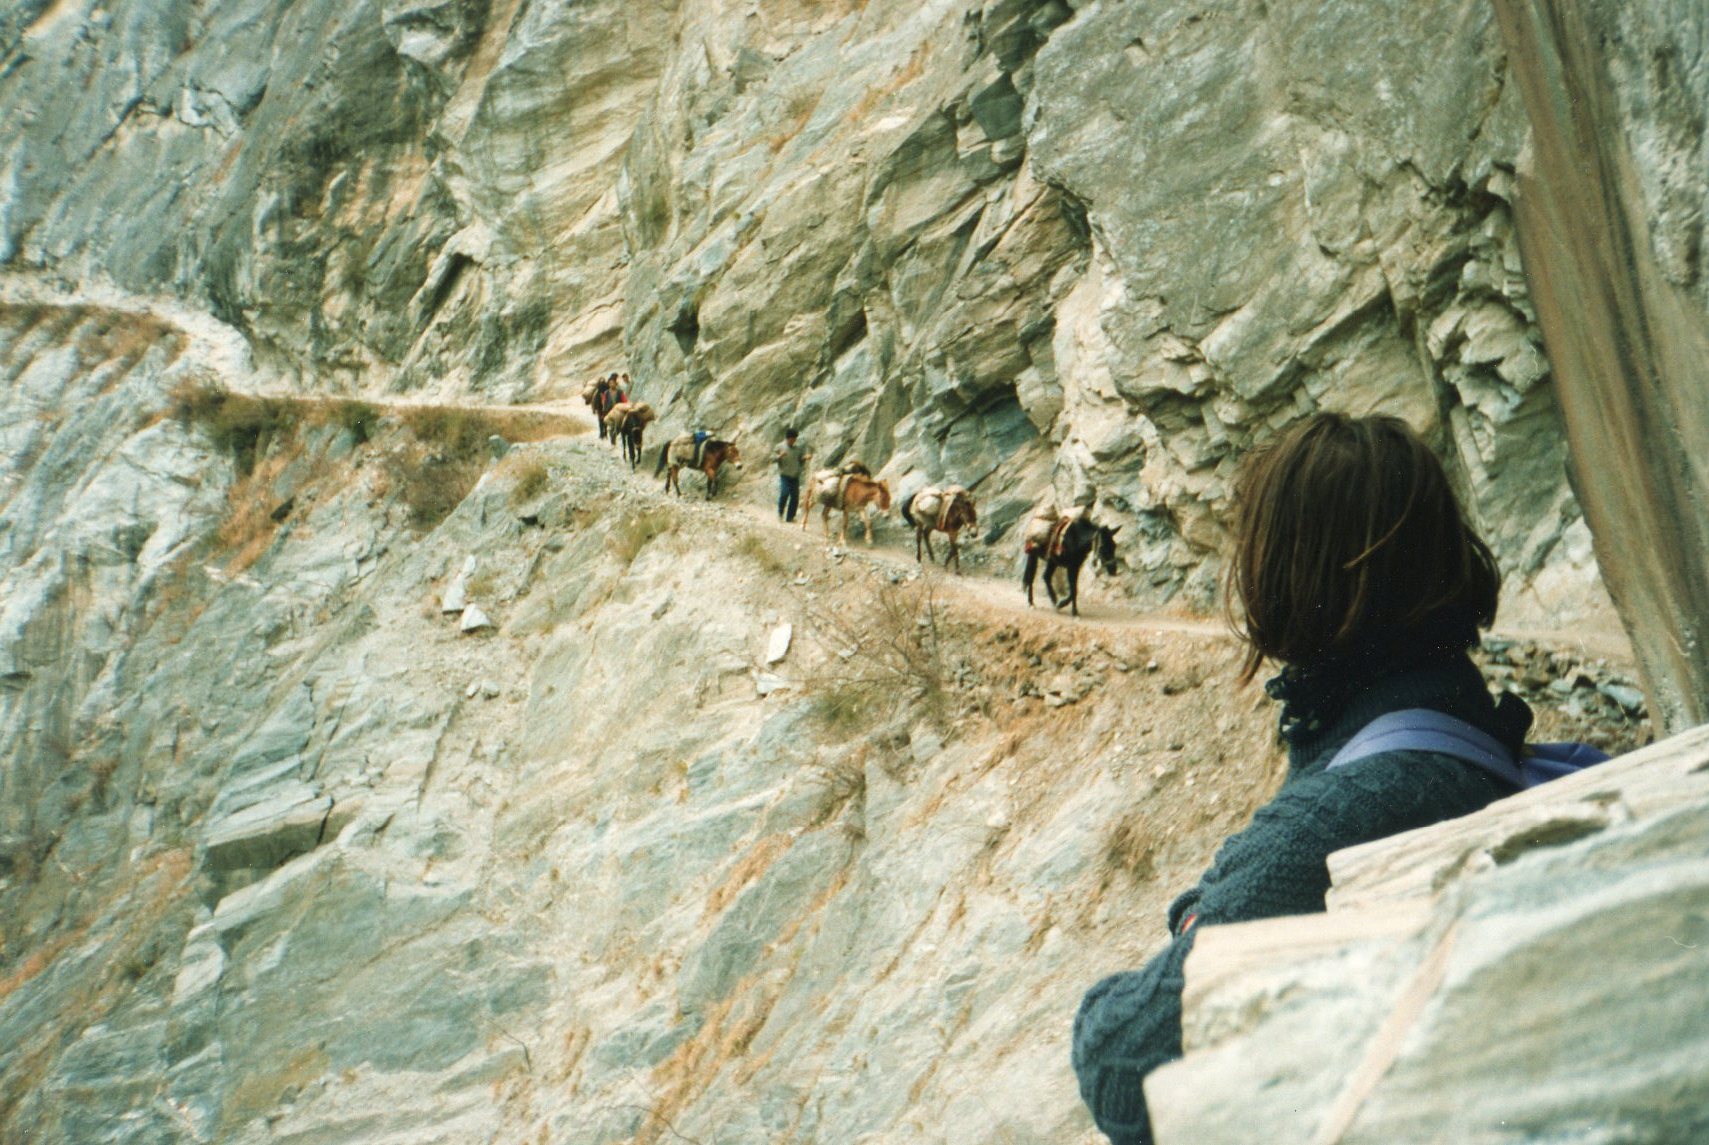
(1612,213)
(1038,249)
(1541,962)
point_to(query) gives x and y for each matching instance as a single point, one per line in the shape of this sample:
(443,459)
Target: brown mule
(846,489)
(680,453)
(948,510)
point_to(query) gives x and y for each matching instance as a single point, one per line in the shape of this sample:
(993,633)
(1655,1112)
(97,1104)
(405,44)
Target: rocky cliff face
(1039,248)
(1613,206)
(295,847)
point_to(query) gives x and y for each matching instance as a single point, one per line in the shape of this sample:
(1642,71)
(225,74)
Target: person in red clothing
(1353,567)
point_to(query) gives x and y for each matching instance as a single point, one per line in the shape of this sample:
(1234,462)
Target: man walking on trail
(790,460)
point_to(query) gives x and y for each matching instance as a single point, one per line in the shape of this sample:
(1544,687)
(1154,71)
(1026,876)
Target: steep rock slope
(1613,213)
(289,855)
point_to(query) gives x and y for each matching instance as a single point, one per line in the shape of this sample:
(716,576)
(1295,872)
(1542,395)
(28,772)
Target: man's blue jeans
(788,496)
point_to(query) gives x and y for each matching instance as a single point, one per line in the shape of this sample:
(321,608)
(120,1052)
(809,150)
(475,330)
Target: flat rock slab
(265,834)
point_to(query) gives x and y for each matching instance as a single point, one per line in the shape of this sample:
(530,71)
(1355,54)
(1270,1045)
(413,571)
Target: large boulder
(1533,972)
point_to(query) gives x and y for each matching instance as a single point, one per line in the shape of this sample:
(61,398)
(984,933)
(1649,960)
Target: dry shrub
(360,418)
(125,338)
(432,474)
(758,549)
(844,779)
(431,484)
(239,424)
(460,433)
(891,647)
(463,431)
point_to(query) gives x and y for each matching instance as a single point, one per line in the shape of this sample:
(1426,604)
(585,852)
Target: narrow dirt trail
(999,597)
(224,349)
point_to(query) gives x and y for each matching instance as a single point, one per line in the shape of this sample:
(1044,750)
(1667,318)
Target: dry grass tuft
(633,533)
(757,548)
(251,517)
(529,478)
(1130,846)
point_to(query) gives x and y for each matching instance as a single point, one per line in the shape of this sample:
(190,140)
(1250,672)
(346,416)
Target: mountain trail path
(223,349)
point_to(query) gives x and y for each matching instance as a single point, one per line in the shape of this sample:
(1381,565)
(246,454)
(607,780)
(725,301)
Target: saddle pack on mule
(1046,529)
(829,485)
(1421,729)
(933,506)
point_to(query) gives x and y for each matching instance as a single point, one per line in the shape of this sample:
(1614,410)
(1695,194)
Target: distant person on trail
(1353,568)
(791,461)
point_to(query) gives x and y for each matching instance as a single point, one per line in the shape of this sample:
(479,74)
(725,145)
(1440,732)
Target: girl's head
(1345,532)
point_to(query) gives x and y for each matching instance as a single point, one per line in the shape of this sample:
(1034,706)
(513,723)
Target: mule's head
(963,513)
(1104,548)
(732,454)
(883,495)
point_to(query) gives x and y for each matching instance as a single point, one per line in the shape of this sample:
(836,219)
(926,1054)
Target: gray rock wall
(1613,200)
(1041,249)
(287,854)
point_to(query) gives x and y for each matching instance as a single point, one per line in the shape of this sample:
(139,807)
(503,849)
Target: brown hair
(1344,529)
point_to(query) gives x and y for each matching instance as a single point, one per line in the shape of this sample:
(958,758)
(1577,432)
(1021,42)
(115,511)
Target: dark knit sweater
(1130,1023)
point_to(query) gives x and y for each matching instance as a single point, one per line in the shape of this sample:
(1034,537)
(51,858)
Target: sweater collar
(1325,702)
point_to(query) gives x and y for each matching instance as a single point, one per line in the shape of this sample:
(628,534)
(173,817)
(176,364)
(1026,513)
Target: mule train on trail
(709,455)
(1064,541)
(600,397)
(947,510)
(847,488)
(625,424)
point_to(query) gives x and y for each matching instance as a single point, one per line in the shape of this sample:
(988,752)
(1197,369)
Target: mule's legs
(1050,571)
(1074,589)
(925,533)
(954,553)
(1027,574)
(866,519)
